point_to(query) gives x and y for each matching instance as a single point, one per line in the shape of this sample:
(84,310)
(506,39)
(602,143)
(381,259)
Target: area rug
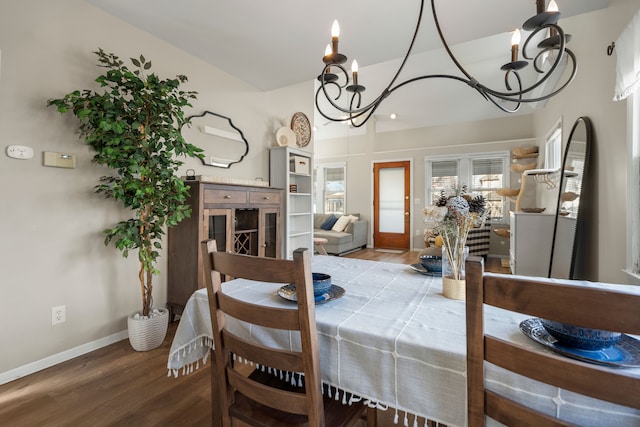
(391,251)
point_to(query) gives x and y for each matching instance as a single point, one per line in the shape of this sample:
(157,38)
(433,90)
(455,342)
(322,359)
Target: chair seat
(336,414)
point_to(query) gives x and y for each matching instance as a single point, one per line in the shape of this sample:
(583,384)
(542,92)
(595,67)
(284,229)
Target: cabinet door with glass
(269,238)
(217,226)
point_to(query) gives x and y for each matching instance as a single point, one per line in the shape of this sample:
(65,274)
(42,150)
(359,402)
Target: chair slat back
(573,303)
(300,318)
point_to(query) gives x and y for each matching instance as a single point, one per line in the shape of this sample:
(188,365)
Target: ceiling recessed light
(393,116)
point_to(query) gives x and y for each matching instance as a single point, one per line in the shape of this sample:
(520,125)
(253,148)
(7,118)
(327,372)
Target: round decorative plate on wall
(302,128)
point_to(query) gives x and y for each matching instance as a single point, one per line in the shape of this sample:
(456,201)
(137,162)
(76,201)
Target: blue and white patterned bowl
(581,338)
(321,283)
(432,263)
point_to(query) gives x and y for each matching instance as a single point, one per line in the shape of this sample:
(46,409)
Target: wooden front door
(391,205)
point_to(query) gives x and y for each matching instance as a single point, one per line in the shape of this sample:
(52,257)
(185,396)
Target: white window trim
(464,164)
(633,187)
(553,147)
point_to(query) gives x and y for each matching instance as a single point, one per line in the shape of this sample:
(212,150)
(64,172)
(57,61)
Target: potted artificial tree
(134,128)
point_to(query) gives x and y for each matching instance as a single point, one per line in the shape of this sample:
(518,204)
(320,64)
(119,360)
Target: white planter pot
(147,334)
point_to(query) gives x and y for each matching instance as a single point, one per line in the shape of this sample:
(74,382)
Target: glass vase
(453,286)
(447,269)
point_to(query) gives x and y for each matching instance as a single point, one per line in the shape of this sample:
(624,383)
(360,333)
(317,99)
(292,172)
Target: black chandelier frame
(357,115)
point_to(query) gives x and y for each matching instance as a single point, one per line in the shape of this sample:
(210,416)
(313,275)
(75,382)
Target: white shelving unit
(291,167)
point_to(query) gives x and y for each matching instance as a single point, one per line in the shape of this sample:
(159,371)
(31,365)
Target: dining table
(395,341)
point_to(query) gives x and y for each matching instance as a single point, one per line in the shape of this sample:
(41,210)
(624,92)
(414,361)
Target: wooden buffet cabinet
(242,219)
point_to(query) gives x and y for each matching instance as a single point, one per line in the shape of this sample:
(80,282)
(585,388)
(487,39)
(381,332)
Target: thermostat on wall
(19,152)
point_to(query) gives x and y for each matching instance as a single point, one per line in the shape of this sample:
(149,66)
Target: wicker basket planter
(147,334)
(452,288)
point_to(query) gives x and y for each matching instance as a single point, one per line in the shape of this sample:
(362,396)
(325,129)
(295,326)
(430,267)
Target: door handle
(406,214)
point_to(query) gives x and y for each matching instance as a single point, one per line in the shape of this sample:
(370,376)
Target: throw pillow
(353,218)
(329,223)
(342,223)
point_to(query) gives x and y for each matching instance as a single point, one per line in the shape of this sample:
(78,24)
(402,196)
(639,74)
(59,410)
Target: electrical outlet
(58,314)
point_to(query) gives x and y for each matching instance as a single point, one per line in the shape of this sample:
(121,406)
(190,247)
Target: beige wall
(589,95)
(51,249)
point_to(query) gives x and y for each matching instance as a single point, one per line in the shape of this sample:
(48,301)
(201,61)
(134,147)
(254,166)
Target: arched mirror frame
(223,133)
(581,211)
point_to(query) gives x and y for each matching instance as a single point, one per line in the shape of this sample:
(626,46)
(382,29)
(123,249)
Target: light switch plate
(21,152)
(60,160)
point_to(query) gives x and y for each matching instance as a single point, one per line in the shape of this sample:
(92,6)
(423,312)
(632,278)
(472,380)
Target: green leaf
(133,126)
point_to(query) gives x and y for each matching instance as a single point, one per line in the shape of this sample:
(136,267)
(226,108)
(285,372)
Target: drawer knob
(266,197)
(227,196)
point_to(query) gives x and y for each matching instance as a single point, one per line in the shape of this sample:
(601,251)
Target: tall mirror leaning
(570,212)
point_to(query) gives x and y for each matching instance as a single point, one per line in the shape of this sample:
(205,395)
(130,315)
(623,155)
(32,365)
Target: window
(483,174)
(330,185)
(553,147)
(633,190)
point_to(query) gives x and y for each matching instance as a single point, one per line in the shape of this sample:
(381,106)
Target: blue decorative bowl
(580,338)
(432,263)
(321,283)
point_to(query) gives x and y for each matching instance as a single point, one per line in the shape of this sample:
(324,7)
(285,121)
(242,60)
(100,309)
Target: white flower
(435,213)
(458,204)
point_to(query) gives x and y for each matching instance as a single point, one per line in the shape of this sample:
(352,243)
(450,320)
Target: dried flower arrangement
(451,217)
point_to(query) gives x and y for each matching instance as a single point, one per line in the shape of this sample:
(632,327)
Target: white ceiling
(276,43)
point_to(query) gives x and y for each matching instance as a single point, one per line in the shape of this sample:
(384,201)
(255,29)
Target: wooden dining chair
(562,301)
(261,398)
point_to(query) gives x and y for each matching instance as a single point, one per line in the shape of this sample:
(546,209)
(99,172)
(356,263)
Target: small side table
(319,243)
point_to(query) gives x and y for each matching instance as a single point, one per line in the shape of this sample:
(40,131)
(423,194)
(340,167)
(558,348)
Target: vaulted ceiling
(276,43)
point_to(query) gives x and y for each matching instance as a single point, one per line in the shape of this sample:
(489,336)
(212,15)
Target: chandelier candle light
(332,85)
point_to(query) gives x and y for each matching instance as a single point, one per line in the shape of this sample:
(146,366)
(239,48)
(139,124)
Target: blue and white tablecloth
(394,339)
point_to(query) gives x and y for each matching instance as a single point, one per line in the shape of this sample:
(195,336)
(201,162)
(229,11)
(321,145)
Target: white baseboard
(50,361)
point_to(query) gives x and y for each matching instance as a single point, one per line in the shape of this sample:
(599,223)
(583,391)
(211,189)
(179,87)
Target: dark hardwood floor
(493,265)
(117,386)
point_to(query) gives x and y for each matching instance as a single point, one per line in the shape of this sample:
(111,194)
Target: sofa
(353,237)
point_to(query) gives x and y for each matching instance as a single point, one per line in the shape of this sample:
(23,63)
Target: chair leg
(216,409)
(372,417)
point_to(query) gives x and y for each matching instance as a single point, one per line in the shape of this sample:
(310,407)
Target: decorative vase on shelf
(453,283)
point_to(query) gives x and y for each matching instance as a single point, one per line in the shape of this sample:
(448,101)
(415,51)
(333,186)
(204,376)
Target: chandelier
(336,85)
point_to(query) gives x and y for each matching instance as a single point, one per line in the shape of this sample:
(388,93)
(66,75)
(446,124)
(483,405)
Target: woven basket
(508,192)
(452,288)
(521,167)
(147,334)
(524,151)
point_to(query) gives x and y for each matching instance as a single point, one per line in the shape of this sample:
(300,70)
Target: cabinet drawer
(225,196)
(264,197)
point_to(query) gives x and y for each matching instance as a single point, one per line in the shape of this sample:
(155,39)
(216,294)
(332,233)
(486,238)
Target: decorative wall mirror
(570,212)
(223,143)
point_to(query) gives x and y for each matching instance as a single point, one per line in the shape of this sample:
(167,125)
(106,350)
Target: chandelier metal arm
(444,42)
(510,96)
(413,41)
(356,112)
(352,113)
(357,115)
